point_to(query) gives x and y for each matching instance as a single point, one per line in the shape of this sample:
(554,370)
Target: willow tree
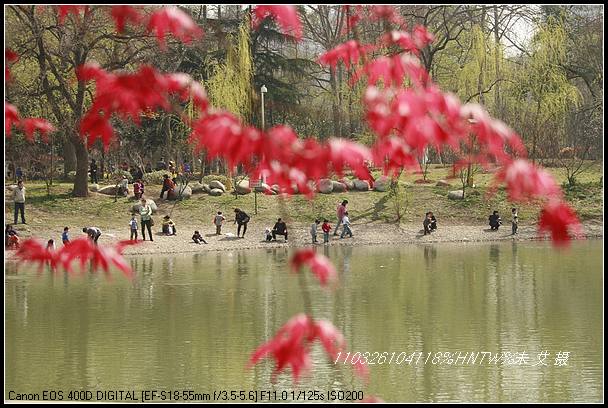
(230,84)
(543,83)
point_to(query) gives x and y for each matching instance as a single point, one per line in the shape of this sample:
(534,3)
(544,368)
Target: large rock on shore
(217,184)
(443,183)
(382,183)
(216,191)
(136,207)
(197,187)
(456,195)
(325,186)
(276,188)
(350,185)
(108,190)
(338,187)
(262,188)
(243,187)
(295,189)
(361,185)
(186,192)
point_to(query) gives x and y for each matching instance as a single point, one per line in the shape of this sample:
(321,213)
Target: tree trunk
(81,182)
(497,103)
(335,103)
(69,158)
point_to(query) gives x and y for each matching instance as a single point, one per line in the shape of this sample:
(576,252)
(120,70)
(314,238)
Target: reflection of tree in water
(430,254)
(494,254)
(218,263)
(347,253)
(241,264)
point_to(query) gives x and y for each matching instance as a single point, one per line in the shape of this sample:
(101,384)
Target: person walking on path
(93,171)
(242,219)
(145,212)
(65,237)
(346,226)
(514,221)
(326,228)
(340,213)
(19,199)
(218,220)
(133,227)
(93,232)
(280,228)
(313,230)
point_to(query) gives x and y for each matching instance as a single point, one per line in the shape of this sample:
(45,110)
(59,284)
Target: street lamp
(263,90)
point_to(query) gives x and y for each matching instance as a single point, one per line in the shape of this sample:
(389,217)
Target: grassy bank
(52,213)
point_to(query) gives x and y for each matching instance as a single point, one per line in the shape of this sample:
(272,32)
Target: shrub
(155,177)
(120,174)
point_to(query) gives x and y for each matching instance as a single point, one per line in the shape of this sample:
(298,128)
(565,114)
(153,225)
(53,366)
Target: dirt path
(364,234)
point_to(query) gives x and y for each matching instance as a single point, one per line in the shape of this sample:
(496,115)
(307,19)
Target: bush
(155,177)
(120,174)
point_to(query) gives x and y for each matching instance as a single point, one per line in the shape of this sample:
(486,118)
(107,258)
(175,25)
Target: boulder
(350,185)
(135,208)
(217,185)
(361,185)
(108,190)
(206,188)
(276,188)
(186,191)
(295,189)
(456,195)
(325,186)
(338,187)
(215,191)
(443,183)
(382,183)
(262,187)
(243,187)
(94,188)
(197,187)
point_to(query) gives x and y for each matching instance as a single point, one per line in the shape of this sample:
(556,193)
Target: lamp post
(263,90)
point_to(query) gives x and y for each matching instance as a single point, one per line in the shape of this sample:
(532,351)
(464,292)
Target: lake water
(191,323)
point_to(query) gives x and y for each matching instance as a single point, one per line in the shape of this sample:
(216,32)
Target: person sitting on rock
(168,186)
(198,238)
(280,228)
(169,226)
(495,221)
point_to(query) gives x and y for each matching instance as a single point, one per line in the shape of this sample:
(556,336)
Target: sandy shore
(364,234)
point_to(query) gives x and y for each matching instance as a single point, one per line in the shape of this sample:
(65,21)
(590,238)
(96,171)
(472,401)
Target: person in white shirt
(346,223)
(19,199)
(313,230)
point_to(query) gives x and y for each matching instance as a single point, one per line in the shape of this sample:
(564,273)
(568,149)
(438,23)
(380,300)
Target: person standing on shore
(65,238)
(313,230)
(326,228)
(218,220)
(514,221)
(346,226)
(242,219)
(19,199)
(340,213)
(133,227)
(145,212)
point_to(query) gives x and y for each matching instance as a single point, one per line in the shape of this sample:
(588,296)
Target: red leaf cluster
(319,265)
(349,53)
(28,125)
(122,14)
(285,16)
(9,56)
(527,182)
(560,220)
(63,11)
(173,20)
(290,347)
(11,116)
(131,95)
(413,43)
(81,249)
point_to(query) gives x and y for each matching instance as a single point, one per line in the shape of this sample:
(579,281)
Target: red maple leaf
(122,14)
(175,21)
(11,116)
(285,16)
(560,220)
(32,125)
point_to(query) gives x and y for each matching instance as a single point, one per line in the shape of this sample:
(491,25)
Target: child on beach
(169,226)
(11,237)
(313,230)
(198,238)
(326,228)
(346,228)
(218,220)
(65,238)
(50,245)
(514,221)
(268,234)
(133,225)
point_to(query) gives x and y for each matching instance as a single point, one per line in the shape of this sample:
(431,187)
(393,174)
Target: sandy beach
(368,233)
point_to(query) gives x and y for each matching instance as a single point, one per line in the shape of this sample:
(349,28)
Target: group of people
(495,221)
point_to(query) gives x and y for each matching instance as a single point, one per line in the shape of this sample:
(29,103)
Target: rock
(215,191)
(456,195)
(107,190)
(186,191)
(276,188)
(197,187)
(325,186)
(136,207)
(348,183)
(262,188)
(206,188)
(382,183)
(443,183)
(243,187)
(295,189)
(361,185)
(216,184)
(94,188)
(338,187)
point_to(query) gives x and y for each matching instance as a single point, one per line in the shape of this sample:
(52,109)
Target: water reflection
(181,326)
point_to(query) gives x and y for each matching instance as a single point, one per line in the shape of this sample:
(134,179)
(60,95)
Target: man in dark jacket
(495,221)
(280,228)
(242,219)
